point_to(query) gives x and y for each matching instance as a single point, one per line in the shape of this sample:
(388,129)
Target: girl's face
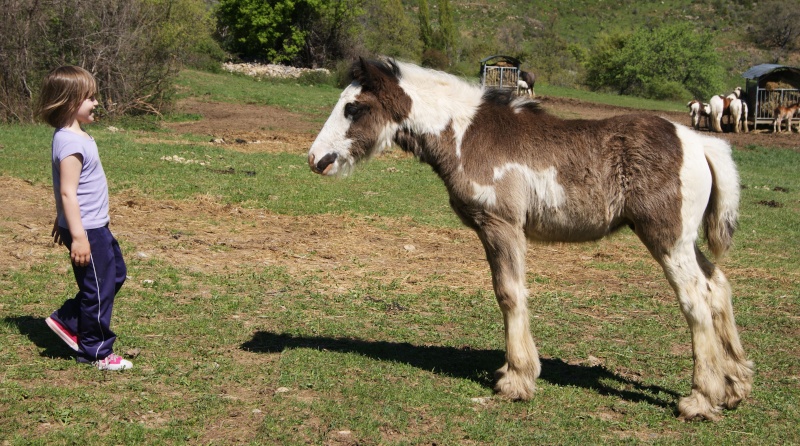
(85,113)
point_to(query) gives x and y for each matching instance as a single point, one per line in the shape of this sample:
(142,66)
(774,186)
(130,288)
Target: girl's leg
(98,283)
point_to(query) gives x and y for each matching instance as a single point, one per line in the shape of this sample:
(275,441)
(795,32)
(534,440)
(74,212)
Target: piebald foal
(514,172)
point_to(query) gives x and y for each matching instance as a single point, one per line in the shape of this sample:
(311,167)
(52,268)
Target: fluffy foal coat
(514,172)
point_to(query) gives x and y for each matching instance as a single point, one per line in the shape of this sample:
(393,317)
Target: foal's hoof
(696,407)
(514,385)
(738,385)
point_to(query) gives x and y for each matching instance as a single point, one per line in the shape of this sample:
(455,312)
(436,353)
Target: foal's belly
(564,233)
(571,225)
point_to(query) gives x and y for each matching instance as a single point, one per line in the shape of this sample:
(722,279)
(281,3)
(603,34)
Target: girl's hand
(80,252)
(56,234)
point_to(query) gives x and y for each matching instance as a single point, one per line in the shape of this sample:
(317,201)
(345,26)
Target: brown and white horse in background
(514,172)
(526,82)
(731,106)
(784,113)
(699,111)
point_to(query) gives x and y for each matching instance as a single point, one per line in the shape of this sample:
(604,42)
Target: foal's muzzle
(324,165)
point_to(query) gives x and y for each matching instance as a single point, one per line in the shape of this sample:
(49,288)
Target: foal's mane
(507,98)
(359,71)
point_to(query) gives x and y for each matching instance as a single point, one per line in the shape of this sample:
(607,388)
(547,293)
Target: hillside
(542,32)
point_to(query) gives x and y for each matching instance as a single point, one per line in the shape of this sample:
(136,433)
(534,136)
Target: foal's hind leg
(505,248)
(722,376)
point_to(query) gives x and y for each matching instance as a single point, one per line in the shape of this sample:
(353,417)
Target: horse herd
(735,108)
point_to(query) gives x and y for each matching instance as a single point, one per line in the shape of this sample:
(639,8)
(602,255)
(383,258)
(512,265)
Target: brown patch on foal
(381,100)
(619,171)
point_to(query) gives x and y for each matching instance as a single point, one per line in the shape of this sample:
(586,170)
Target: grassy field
(256,353)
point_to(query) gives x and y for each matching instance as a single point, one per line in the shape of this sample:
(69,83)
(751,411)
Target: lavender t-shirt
(92,186)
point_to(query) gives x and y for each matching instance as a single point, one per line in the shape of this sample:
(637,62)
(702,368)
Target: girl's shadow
(39,333)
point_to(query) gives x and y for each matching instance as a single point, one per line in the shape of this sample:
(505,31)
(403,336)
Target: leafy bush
(306,33)
(655,61)
(665,90)
(434,58)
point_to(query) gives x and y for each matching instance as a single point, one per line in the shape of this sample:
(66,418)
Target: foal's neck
(443,107)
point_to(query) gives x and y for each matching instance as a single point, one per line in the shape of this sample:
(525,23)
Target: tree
(447,29)
(669,62)
(133,48)
(550,54)
(301,32)
(425,29)
(267,30)
(776,27)
(333,35)
(388,30)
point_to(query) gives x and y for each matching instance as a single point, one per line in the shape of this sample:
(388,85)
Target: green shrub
(665,90)
(644,62)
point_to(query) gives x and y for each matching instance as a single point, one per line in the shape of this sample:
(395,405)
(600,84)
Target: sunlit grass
(270,356)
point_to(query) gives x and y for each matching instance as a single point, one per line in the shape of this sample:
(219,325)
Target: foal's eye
(354,110)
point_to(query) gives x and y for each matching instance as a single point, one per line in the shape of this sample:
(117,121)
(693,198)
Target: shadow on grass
(475,365)
(39,333)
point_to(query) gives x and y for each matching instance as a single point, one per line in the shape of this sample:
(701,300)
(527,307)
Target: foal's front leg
(505,248)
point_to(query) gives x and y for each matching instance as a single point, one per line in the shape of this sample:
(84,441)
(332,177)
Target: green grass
(610,99)
(258,354)
(314,100)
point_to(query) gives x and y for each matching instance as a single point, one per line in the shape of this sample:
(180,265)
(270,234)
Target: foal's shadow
(39,333)
(475,365)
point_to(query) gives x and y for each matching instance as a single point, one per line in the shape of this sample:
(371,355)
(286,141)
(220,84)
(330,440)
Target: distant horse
(529,79)
(523,86)
(720,106)
(738,111)
(784,112)
(514,172)
(698,111)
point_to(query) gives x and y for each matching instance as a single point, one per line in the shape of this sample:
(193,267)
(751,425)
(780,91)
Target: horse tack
(515,173)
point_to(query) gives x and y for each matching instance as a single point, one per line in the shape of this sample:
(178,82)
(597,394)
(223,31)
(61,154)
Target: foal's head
(364,121)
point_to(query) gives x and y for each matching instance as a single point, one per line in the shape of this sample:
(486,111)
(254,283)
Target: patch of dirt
(202,235)
(247,127)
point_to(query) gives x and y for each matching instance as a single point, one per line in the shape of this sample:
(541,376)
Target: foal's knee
(511,296)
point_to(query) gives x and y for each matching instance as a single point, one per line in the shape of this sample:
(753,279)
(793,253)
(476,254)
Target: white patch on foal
(332,137)
(439,100)
(543,188)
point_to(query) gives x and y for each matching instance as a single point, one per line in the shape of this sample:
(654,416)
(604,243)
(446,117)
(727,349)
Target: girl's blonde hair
(63,91)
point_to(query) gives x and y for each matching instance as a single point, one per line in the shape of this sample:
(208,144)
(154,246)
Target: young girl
(81,193)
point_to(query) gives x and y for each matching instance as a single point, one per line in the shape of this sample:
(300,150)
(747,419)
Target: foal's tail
(722,211)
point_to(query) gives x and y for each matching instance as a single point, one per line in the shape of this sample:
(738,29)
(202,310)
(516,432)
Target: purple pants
(88,314)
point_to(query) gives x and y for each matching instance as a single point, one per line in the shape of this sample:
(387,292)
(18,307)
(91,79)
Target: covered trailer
(767,86)
(499,72)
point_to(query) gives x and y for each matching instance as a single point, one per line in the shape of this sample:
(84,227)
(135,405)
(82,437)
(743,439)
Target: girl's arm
(70,168)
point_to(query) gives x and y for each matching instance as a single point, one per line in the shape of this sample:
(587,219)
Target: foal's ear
(371,75)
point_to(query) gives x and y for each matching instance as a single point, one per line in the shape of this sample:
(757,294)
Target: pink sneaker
(113,362)
(69,338)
